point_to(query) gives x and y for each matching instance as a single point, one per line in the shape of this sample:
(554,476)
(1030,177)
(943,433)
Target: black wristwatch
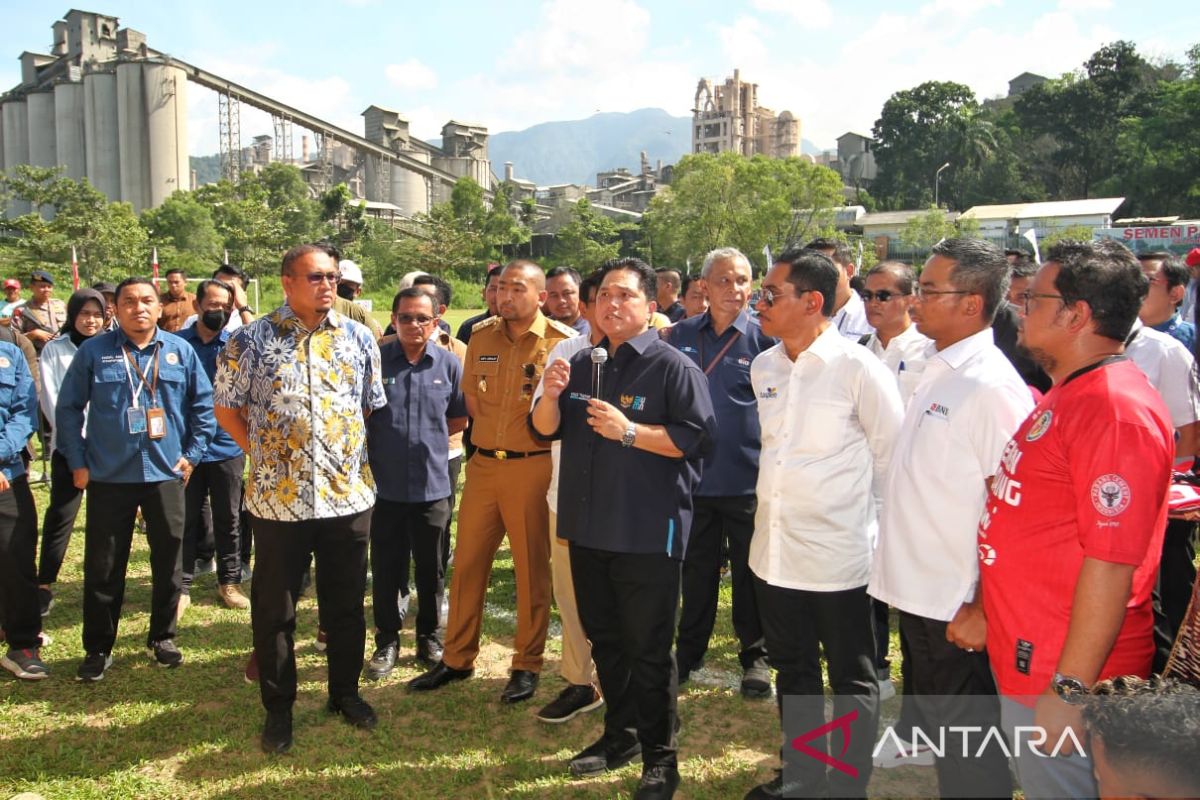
(245,310)
(1071,691)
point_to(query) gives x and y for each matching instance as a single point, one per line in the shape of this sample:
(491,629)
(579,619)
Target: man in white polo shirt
(829,413)
(967,404)
(888,299)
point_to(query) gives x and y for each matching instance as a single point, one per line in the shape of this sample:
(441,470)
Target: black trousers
(798,626)
(19,610)
(339,545)
(219,482)
(59,519)
(718,520)
(1173,592)
(398,529)
(940,673)
(627,606)
(108,535)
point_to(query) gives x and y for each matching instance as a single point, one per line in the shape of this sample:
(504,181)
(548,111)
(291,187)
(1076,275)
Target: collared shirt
(1170,368)
(500,375)
(459,350)
(731,469)
(901,356)
(624,499)
(967,404)
(98,375)
(407,438)
(222,447)
(351,309)
(18,410)
(306,394)
(675,312)
(464,330)
(829,420)
(48,318)
(851,319)
(582,326)
(175,311)
(1176,328)
(7,308)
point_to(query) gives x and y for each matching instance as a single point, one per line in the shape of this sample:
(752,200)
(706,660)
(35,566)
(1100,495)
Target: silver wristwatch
(629,435)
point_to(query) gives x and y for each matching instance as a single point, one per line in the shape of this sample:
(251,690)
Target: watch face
(1071,690)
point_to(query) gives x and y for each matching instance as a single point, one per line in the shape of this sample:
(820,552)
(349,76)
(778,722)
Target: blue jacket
(18,409)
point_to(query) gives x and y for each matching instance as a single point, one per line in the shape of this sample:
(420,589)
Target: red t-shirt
(1086,474)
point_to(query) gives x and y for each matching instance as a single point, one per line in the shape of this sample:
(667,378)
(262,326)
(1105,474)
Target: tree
(106,236)
(287,195)
(729,200)
(587,240)
(183,230)
(922,233)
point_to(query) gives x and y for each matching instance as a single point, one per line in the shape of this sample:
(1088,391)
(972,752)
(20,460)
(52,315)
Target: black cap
(104,287)
(41,275)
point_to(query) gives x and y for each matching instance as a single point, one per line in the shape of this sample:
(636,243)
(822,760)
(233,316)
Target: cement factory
(104,105)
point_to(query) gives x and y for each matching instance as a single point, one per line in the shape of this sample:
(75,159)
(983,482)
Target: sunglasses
(769,297)
(315,278)
(882,296)
(408,319)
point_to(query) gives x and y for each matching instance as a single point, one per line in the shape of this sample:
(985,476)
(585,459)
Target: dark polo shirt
(623,499)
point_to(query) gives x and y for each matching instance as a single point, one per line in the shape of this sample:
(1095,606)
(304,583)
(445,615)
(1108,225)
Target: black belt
(502,455)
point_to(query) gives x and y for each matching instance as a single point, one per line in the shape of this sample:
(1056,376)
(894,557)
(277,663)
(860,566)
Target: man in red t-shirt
(1070,537)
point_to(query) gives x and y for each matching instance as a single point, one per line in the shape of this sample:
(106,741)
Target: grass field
(193,732)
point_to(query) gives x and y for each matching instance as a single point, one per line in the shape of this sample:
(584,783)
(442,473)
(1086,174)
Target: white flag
(860,254)
(1031,237)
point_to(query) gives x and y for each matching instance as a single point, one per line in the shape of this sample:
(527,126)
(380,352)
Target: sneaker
(232,596)
(570,703)
(165,653)
(890,754)
(756,683)
(322,640)
(45,600)
(250,672)
(25,664)
(93,667)
(887,690)
(658,781)
(185,602)
(382,663)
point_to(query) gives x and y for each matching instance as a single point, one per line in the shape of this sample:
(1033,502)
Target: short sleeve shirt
(1085,476)
(175,312)
(305,393)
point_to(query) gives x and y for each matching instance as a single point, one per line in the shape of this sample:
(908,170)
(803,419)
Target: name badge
(156,423)
(137,420)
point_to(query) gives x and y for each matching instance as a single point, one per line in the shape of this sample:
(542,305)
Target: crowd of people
(979,449)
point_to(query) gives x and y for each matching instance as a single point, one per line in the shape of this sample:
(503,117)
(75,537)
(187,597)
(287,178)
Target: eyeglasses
(409,319)
(922,292)
(1027,296)
(315,278)
(769,297)
(882,295)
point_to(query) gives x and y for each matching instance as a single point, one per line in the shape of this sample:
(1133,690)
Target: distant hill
(574,151)
(208,168)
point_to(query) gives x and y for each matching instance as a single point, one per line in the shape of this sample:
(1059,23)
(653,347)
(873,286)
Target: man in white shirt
(888,299)
(967,404)
(1171,369)
(849,315)
(829,413)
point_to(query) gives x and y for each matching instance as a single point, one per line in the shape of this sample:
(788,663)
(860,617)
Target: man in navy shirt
(218,476)
(723,341)
(408,445)
(149,424)
(630,461)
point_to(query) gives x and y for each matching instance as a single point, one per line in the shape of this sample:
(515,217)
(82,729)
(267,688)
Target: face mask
(215,320)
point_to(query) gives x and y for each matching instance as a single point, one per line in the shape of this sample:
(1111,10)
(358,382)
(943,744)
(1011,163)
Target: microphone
(599,356)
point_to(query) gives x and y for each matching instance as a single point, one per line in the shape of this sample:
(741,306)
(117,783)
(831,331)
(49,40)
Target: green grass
(193,732)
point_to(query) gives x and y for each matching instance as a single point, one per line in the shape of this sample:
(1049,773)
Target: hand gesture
(554,379)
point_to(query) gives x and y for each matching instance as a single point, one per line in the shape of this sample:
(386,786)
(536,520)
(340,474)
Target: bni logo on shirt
(938,410)
(770,393)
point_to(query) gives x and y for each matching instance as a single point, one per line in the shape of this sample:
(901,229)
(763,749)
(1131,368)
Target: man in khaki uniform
(43,316)
(506,485)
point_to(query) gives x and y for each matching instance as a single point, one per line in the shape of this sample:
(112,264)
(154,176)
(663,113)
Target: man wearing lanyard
(150,420)
(723,341)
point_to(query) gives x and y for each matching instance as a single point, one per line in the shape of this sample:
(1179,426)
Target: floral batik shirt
(305,395)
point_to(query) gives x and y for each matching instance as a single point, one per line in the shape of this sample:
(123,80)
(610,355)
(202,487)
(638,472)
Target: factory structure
(728,117)
(105,106)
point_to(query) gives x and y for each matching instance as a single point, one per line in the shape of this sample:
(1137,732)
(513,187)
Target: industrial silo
(131,136)
(15,120)
(69,129)
(100,133)
(166,109)
(409,189)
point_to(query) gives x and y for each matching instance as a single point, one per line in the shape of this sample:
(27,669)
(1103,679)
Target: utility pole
(937,176)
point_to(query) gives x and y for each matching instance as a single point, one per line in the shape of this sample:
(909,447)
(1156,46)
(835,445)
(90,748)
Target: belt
(502,455)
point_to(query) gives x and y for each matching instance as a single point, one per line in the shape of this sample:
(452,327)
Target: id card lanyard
(146,380)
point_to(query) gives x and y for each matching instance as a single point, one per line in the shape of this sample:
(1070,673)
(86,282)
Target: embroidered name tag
(489,359)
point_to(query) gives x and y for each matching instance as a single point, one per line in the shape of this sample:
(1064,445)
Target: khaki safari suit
(505,490)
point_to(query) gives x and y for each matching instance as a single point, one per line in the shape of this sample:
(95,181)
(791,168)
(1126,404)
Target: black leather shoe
(429,651)
(604,754)
(354,710)
(382,663)
(521,686)
(775,788)
(438,677)
(658,783)
(277,732)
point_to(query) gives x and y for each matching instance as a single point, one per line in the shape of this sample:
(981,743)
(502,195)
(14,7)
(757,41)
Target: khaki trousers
(501,496)
(576,667)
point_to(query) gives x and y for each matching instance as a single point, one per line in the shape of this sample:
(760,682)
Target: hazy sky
(511,65)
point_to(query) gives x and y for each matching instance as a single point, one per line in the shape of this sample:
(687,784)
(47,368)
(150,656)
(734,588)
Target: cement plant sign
(1174,238)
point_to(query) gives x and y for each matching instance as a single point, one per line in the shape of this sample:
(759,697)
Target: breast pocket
(110,385)
(825,426)
(8,385)
(485,375)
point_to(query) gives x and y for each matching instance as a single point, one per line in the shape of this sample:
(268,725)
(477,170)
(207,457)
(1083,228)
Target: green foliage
(107,238)
(725,199)
(184,232)
(587,240)
(923,232)
(1081,233)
